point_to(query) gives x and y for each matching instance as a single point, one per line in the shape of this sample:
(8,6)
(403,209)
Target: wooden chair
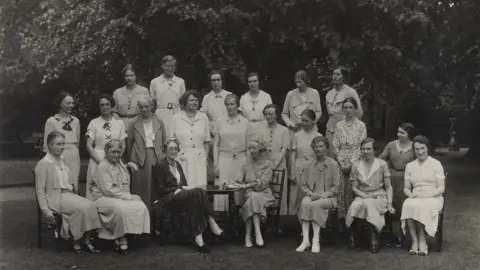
(439,234)
(42,227)
(276,185)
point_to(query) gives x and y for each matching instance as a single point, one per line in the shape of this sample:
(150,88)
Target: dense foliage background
(407,57)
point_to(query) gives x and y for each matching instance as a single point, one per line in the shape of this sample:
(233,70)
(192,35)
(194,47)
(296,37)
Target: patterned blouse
(346,142)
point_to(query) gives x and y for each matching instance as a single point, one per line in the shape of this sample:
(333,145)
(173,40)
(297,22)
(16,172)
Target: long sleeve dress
(371,209)
(257,198)
(423,178)
(54,185)
(346,146)
(119,215)
(319,177)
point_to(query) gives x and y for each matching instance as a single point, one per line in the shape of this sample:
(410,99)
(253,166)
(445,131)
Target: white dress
(101,131)
(192,134)
(423,179)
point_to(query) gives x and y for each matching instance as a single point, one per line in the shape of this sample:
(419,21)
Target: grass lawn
(461,243)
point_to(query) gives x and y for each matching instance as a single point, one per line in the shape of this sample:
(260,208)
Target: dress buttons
(193,145)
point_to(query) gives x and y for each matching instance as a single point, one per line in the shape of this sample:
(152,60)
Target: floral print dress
(346,146)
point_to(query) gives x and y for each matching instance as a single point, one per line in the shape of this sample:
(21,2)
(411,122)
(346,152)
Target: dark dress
(191,203)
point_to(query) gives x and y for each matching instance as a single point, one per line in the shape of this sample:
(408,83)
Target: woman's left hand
(133,166)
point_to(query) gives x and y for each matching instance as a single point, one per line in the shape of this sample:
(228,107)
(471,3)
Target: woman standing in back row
(334,100)
(69,125)
(127,97)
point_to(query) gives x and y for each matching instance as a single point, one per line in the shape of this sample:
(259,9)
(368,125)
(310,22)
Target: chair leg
(439,236)
(39,229)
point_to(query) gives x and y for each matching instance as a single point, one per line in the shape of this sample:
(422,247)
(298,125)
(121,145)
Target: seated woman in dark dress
(174,196)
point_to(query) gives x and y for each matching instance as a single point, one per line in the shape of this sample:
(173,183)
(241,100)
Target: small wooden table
(230,192)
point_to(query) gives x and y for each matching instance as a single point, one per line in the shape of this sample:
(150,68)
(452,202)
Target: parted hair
(53,135)
(107,97)
(320,139)
(112,143)
(183,99)
(422,140)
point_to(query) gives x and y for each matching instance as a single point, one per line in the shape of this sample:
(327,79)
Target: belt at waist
(402,170)
(127,115)
(168,107)
(256,120)
(191,145)
(231,155)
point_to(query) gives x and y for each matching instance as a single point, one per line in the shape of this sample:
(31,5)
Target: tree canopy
(396,49)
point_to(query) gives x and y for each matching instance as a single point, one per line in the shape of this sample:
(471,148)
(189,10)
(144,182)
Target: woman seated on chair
(371,185)
(255,177)
(175,196)
(56,194)
(121,212)
(424,187)
(319,183)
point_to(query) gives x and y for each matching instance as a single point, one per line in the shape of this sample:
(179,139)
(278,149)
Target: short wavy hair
(262,146)
(320,139)
(112,143)
(183,99)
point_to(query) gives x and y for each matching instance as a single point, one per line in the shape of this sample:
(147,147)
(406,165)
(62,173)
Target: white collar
(363,170)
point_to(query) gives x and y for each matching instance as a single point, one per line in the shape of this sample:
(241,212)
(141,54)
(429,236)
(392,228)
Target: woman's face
(337,76)
(270,115)
(192,102)
(216,81)
(300,83)
(169,68)
(105,106)
(67,104)
(231,105)
(57,146)
(320,149)
(172,150)
(402,135)
(254,149)
(130,77)
(253,83)
(421,151)
(114,153)
(306,121)
(144,108)
(367,151)
(348,109)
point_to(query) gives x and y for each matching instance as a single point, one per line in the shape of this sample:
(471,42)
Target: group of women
(164,138)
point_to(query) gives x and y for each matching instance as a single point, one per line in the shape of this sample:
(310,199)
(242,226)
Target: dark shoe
(78,250)
(374,246)
(223,237)
(202,249)
(120,249)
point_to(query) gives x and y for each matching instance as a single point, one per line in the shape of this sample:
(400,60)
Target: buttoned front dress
(166,92)
(101,131)
(232,134)
(296,103)
(372,183)
(192,133)
(127,102)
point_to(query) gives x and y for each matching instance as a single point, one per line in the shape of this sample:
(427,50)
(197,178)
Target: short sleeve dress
(127,102)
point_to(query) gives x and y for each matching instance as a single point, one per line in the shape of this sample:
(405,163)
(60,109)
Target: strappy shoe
(413,251)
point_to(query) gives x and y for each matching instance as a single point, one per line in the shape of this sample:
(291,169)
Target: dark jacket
(136,148)
(165,183)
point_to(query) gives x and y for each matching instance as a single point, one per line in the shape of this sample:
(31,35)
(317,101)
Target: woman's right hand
(177,191)
(50,218)
(217,171)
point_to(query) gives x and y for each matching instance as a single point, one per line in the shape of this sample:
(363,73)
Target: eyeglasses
(172,149)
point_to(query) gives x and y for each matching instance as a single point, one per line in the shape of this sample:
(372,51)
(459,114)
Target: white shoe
(259,240)
(316,248)
(302,247)
(248,242)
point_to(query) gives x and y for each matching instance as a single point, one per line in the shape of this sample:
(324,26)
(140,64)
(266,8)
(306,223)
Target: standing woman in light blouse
(277,138)
(348,135)
(252,104)
(192,129)
(334,100)
(146,136)
(229,149)
(99,131)
(424,187)
(69,126)
(302,154)
(56,194)
(126,97)
(166,91)
(398,154)
(299,100)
